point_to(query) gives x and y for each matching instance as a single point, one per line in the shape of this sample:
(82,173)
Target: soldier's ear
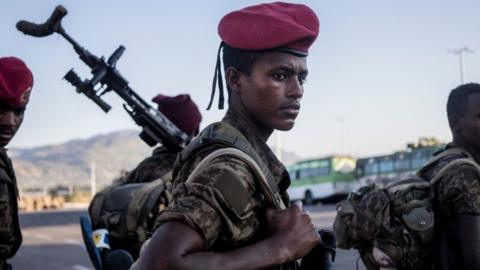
(232,77)
(455,123)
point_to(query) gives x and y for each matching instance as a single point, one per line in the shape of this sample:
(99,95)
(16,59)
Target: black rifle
(156,128)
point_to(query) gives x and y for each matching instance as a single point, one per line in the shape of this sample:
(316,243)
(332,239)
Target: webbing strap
(225,135)
(455,162)
(273,198)
(448,152)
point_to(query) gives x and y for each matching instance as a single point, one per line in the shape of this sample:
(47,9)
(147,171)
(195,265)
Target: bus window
(371,167)
(386,166)
(323,171)
(307,173)
(402,165)
(401,162)
(359,171)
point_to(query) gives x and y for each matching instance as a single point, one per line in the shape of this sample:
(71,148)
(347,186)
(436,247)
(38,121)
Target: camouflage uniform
(456,193)
(152,168)
(224,203)
(10,234)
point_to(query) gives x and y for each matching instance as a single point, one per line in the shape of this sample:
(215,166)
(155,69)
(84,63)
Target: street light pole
(93,180)
(460,52)
(341,121)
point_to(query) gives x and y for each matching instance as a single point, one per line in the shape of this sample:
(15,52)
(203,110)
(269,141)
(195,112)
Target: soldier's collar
(472,152)
(277,169)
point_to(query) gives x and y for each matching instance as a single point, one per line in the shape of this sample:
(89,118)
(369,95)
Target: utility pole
(341,121)
(93,181)
(459,52)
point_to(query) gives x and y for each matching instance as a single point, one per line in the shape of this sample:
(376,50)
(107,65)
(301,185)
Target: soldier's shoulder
(459,191)
(216,169)
(460,176)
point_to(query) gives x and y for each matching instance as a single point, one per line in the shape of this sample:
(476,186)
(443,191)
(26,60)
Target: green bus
(322,179)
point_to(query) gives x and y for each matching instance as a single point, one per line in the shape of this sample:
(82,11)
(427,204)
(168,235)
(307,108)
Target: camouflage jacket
(457,192)
(10,235)
(224,203)
(152,168)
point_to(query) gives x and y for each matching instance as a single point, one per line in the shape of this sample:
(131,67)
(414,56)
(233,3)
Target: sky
(379,72)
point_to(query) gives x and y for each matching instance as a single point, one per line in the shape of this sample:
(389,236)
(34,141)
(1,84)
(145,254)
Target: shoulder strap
(272,197)
(454,151)
(223,135)
(456,162)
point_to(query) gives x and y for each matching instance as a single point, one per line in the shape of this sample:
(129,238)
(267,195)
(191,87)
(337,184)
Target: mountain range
(69,164)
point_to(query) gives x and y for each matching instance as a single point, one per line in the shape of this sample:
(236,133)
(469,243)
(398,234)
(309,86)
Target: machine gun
(156,128)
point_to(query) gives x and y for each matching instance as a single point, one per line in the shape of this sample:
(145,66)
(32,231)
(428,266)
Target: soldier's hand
(292,231)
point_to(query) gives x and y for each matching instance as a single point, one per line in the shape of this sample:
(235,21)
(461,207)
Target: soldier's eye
(19,112)
(279,76)
(302,79)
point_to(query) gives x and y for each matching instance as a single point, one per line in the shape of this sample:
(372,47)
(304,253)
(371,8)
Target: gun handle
(102,104)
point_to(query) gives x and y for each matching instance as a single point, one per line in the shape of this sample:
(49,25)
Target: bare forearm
(169,251)
(260,255)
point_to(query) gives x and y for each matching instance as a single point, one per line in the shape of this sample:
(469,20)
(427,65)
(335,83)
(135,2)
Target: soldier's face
(470,123)
(10,121)
(271,93)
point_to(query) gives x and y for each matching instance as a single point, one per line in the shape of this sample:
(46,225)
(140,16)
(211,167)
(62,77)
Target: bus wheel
(308,199)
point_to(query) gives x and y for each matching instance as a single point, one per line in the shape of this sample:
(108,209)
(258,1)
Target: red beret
(278,25)
(181,110)
(16,82)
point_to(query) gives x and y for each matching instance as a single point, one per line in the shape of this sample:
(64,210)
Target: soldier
(16,82)
(184,113)
(220,218)
(457,192)
(133,188)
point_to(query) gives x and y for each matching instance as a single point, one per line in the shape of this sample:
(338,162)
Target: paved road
(52,241)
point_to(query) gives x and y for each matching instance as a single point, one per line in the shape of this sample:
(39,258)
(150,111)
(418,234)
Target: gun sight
(86,88)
